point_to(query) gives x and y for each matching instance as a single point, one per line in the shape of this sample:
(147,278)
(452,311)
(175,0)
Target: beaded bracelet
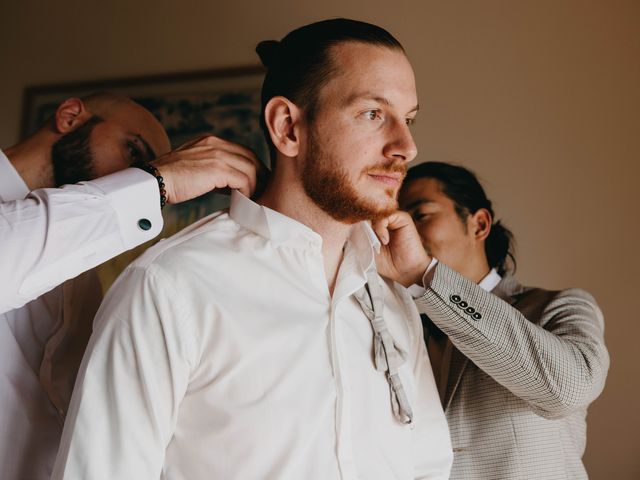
(147,167)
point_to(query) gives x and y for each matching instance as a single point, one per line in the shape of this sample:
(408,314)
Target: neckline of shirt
(284,230)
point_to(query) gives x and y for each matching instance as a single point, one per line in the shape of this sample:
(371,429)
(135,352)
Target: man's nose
(401,145)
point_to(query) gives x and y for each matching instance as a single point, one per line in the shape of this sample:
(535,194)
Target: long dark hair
(468,196)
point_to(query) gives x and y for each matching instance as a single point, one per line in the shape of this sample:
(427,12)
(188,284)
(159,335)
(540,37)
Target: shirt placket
(343,398)
(350,279)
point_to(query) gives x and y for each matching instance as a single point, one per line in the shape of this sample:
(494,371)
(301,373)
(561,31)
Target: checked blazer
(525,365)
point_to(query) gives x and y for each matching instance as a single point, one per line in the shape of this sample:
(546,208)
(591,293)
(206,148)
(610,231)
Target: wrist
(152,170)
(417,274)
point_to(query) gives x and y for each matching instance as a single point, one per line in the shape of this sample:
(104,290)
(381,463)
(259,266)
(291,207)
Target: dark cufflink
(455,298)
(476,316)
(144,224)
(470,310)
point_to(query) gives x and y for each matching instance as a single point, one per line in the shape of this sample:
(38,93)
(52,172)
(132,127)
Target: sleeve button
(470,310)
(144,224)
(476,316)
(455,298)
(463,304)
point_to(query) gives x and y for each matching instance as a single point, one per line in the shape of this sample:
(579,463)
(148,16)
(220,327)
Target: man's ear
(70,115)
(282,118)
(482,222)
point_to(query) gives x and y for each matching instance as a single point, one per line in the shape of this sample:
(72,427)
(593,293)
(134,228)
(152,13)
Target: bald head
(112,107)
(87,138)
(101,134)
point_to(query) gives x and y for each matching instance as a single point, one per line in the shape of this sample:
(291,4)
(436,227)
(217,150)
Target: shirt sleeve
(555,360)
(55,234)
(432,451)
(132,379)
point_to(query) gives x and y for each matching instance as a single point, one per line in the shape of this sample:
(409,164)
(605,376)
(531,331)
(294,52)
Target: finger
(380,227)
(245,166)
(398,220)
(228,178)
(239,181)
(194,141)
(205,143)
(212,159)
(234,157)
(226,145)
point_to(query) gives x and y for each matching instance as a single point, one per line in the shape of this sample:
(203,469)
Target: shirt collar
(490,281)
(364,243)
(12,187)
(282,230)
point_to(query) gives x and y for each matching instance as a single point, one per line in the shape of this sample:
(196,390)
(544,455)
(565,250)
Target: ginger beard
(327,183)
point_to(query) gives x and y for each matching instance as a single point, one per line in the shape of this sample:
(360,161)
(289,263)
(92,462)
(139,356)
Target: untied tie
(388,357)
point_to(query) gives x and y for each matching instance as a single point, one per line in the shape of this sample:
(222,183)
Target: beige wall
(541,98)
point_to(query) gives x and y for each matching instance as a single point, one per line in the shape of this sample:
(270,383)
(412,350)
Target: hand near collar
(402,257)
(209,163)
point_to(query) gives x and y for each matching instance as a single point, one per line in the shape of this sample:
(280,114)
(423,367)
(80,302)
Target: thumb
(380,227)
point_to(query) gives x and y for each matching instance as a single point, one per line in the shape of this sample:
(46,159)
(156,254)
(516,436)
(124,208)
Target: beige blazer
(525,365)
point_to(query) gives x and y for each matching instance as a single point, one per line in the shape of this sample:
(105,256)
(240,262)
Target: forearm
(556,364)
(56,234)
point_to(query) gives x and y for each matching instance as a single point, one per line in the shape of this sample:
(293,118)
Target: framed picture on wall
(223,102)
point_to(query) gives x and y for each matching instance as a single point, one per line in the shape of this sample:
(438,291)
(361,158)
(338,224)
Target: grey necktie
(387,355)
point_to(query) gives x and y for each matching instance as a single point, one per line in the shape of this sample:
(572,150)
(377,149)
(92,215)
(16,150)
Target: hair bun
(268,51)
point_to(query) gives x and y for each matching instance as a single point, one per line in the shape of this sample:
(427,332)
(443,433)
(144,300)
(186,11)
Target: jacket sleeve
(133,377)
(556,360)
(55,234)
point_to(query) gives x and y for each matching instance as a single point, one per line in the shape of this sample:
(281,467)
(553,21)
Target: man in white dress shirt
(49,235)
(261,342)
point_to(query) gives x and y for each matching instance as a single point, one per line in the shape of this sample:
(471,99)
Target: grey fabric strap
(387,355)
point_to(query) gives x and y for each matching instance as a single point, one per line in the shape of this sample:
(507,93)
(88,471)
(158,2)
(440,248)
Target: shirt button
(144,224)
(455,298)
(476,316)
(463,304)
(470,310)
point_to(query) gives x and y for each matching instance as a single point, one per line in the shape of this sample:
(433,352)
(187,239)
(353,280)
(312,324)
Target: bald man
(49,235)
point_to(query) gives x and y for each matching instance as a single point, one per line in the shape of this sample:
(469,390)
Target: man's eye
(410,121)
(419,216)
(135,154)
(372,115)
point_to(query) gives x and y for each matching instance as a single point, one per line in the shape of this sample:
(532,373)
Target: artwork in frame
(224,102)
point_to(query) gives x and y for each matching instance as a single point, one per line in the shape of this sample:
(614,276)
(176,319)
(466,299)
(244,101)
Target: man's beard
(327,183)
(71,155)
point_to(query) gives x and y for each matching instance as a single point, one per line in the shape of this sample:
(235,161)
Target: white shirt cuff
(417,291)
(135,197)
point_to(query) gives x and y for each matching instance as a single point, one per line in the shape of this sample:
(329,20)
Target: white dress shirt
(46,237)
(220,354)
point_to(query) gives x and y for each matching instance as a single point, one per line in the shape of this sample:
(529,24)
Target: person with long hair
(516,367)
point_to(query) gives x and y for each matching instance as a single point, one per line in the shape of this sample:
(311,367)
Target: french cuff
(417,291)
(135,197)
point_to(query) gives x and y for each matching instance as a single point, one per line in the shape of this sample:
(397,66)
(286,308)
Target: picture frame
(223,102)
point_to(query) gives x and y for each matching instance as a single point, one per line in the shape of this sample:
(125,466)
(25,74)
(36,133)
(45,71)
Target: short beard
(327,183)
(71,155)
